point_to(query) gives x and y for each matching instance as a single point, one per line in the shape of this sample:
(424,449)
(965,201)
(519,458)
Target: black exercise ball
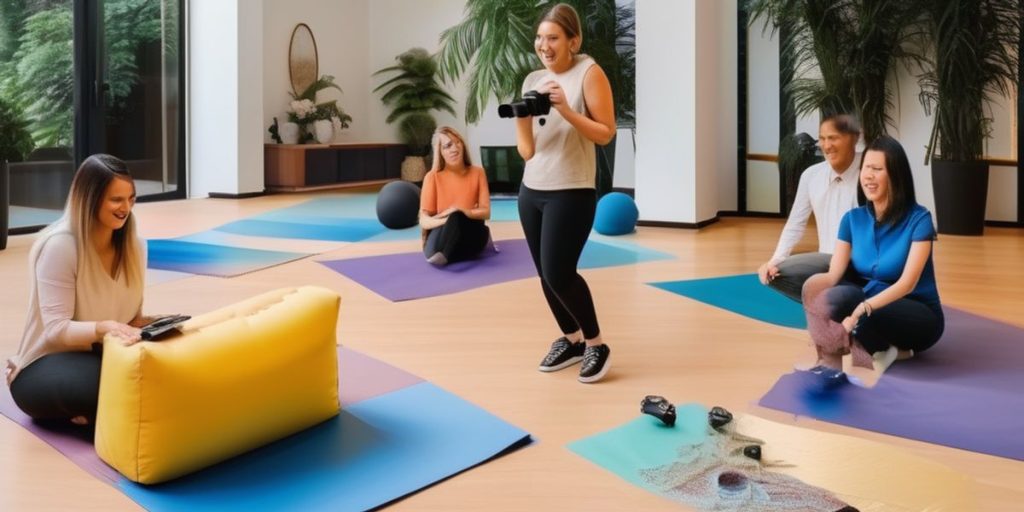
(398,205)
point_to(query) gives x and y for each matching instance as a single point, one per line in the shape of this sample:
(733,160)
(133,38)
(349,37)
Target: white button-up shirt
(827,193)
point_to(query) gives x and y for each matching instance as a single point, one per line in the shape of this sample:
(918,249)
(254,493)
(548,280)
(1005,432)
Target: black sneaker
(595,363)
(563,354)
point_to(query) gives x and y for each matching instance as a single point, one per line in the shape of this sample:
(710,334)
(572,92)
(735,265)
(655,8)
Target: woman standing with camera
(557,198)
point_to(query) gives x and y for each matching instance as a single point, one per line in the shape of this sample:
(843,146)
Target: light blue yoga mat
(343,218)
(212,260)
(309,228)
(644,443)
(376,451)
(742,294)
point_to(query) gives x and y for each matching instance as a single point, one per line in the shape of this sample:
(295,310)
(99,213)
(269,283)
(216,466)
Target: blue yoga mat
(396,435)
(375,451)
(315,228)
(212,260)
(742,294)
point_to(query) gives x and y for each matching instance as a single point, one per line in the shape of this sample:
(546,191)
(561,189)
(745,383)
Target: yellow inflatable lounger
(235,379)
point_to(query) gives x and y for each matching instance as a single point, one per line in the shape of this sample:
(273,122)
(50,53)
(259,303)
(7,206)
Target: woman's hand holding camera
(555,94)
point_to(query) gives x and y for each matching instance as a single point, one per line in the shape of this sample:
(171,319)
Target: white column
(686,96)
(225,97)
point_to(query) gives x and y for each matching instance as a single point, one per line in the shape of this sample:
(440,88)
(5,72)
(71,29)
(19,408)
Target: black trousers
(557,224)
(60,386)
(796,269)
(906,324)
(460,238)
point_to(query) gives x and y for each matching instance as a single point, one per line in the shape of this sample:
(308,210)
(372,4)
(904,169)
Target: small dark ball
(753,451)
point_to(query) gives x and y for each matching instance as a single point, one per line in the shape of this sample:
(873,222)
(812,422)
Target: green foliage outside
(15,141)
(36,59)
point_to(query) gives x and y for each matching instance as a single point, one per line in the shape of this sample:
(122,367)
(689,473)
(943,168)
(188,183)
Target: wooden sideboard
(297,167)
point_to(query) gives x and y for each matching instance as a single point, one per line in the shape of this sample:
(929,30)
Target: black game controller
(660,408)
(719,417)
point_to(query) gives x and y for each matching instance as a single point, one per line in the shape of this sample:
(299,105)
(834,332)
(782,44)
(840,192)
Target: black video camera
(532,104)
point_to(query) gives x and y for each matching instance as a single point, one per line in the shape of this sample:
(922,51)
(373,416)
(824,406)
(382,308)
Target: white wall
(225,92)
(400,25)
(343,40)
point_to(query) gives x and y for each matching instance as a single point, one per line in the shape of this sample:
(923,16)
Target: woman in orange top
(454,203)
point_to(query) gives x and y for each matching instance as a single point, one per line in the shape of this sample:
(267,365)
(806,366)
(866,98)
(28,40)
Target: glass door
(136,116)
(79,77)
(36,108)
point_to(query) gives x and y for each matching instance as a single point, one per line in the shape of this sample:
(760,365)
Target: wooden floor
(485,344)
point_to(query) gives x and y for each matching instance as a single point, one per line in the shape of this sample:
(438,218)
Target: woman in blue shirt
(891,309)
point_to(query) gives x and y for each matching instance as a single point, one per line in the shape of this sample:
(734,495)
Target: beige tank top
(563,158)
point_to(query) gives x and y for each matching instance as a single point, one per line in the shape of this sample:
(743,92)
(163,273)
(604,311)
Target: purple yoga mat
(362,377)
(964,392)
(408,276)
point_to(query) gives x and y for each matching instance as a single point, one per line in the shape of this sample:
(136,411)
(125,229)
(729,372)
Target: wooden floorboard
(485,344)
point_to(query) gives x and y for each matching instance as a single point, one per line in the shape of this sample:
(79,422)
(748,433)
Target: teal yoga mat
(741,294)
(644,443)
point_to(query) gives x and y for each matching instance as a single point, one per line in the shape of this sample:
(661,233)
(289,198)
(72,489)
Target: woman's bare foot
(868,377)
(80,420)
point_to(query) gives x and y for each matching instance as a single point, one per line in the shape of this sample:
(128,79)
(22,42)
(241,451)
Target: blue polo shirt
(879,251)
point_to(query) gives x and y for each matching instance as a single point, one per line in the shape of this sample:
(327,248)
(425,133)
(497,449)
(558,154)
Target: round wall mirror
(303,63)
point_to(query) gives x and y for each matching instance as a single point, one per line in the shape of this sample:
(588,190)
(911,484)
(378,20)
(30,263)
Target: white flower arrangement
(301,108)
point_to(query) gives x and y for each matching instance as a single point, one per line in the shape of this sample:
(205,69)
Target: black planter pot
(961,190)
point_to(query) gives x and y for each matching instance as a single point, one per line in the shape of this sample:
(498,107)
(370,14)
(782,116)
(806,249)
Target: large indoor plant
(843,53)
(975,58)
(412,93)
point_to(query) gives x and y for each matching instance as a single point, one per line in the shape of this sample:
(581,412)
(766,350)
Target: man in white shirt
(829,190)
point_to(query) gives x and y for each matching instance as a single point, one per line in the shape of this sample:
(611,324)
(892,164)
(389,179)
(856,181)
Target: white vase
(323,131)
(289,133)
(336,124)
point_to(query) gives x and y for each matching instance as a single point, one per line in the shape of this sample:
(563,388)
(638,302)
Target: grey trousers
(794,271)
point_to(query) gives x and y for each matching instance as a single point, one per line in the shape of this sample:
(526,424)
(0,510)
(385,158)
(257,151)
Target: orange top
(444,189)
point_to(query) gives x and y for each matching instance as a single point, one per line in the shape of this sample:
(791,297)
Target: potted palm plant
(412,93)
(842,53)
(975,46)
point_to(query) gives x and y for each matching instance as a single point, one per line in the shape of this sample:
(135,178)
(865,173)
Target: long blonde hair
(80,217)
(435,142)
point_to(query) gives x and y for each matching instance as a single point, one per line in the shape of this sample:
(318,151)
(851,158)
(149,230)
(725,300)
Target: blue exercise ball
(398,205)
(616,214)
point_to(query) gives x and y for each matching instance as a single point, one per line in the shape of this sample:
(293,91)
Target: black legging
(557,224)
(906,323)
(60,386)
(460,238)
